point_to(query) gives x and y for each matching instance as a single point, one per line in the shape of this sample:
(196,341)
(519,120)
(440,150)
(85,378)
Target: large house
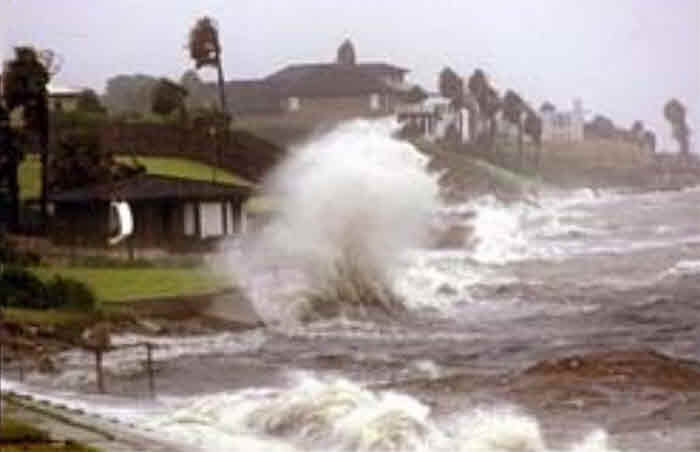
(324,91)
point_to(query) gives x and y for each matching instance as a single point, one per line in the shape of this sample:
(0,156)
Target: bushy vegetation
(20,288)
(70,293)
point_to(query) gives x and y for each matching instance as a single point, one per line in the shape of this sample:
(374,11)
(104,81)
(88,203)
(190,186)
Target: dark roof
(151,187)
(334,81)
(307,80)
(295,72)
(252,96)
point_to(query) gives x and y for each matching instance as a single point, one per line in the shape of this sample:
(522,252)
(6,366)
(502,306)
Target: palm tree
(637,133)
(205,50)
(513,109)
(674,111)
(24,86)
(533,127)
(650,141)
(487,100)
(452,87)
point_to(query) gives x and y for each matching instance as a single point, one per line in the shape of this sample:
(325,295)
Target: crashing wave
(341,416)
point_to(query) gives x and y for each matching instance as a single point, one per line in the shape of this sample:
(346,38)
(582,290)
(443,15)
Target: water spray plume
(353,200)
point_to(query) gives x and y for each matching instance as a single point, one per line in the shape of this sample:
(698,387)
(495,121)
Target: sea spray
(351,202)
(341,416)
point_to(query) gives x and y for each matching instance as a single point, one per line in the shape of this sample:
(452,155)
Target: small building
(63,98)
(433,118)
(563,126)
(169,213)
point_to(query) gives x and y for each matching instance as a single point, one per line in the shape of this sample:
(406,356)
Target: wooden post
(98,371)
(149,364)
(21,367)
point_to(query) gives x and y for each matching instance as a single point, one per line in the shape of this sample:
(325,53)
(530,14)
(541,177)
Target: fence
(21,368)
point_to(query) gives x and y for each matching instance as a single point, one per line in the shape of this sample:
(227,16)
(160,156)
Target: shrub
(66,292)
(22,289)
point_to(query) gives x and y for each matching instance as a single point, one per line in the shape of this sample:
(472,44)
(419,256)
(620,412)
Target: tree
(89,102)
(24,86)
(168,96)
(414,95)
(513,109)
(487,100)
(600,127)
(674,111)
(650,141)
(533,127)
(452,87)
(80,161)
(199,95)
(346,53)
(547,107)
(128,94)
(636,133)
(10,158)
(492,105)
(205,50)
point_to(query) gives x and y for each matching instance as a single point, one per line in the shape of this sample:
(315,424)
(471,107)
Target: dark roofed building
(322,90)
(169,213)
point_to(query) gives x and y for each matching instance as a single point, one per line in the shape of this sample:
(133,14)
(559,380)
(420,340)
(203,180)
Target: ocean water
(574,273)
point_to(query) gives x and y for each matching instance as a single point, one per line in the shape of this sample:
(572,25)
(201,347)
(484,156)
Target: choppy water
(580,272)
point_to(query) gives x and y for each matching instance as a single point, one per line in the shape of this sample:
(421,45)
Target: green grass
(13,431)
(30,177)
(16,436)
(185,169)
(130,284)
(61,318)
(30,172)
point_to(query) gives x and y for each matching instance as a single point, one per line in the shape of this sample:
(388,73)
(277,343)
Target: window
(189,219)
(374,102)
(293,104)
(211,219)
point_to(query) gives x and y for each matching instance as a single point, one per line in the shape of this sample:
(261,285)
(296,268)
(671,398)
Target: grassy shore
(112,284)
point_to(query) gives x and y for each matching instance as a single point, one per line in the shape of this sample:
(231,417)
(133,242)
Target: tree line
(484,103)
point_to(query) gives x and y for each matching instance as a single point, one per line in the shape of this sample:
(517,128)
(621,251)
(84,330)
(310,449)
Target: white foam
(355,191)
(341,416)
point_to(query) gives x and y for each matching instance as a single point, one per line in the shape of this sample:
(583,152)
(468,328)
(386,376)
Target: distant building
(337,90)
(433,118)
(563,126)
(63,98)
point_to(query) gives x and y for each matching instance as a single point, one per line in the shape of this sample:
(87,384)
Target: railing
(98,352)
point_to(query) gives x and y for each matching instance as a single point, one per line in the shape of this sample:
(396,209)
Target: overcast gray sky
(623,58)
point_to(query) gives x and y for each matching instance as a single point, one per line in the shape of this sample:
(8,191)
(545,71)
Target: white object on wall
(124,221)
